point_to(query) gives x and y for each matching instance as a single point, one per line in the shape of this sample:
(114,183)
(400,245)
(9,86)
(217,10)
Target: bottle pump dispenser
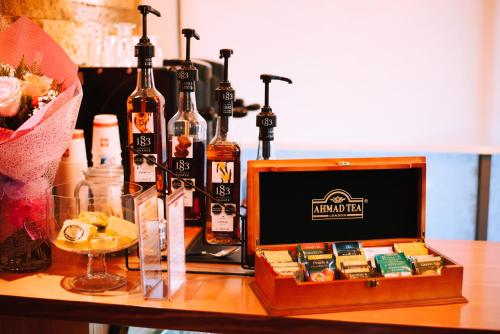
(188,73)
(266,119)
(144,50)
(145,115)
(224,93)
(222,224)
(187,138)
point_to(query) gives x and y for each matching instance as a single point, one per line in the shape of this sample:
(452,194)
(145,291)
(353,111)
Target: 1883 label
(187,78)
(225,99)
(143,140)
(223,189)
(182,164)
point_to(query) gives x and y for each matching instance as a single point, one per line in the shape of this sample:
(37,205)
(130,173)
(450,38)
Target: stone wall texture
(72,23)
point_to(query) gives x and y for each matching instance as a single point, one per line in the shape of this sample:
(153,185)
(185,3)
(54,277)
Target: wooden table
(219,303)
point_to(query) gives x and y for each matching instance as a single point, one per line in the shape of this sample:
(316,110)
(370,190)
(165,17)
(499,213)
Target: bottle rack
(245,264)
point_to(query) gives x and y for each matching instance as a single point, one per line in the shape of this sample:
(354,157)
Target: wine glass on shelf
(93,219)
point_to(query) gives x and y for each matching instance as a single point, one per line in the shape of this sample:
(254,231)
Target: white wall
(495,123)
(165,27)
(366,73)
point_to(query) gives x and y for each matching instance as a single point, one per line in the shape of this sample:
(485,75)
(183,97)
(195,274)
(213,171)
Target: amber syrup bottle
(187,138)
(222,224)
(145,116)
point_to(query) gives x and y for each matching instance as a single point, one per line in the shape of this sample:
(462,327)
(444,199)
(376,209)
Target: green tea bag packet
(393,265)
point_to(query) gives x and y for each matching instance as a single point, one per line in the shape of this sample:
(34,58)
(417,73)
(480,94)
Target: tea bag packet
(348,251)
(411,248)
(352,269)
(428,264)
(347,248)
(320,268)
(305,250)
(393,265)
(282,263)
(289,269)
(279,256)
(370,253)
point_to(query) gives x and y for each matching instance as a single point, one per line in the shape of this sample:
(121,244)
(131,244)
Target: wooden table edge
(192,320)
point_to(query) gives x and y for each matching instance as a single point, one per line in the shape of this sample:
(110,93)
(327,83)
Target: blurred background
(371,78)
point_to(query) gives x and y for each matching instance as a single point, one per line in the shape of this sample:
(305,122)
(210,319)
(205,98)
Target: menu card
(148,219)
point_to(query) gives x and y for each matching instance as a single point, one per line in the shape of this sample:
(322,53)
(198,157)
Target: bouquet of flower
(40,97)
(24,91)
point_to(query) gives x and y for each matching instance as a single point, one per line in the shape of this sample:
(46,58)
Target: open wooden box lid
(324,200)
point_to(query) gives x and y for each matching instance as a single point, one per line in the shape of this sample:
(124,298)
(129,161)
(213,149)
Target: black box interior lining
(389,200)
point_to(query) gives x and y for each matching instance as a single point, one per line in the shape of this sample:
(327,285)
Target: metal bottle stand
(243,236)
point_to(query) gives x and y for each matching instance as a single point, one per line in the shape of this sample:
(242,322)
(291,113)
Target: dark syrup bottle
(187,137)
(145,116)
(222,224)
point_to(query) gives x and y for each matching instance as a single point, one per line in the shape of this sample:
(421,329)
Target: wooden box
(290,202)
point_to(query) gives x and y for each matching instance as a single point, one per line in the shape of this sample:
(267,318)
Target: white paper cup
(69,172)
(76,152)
(106,150)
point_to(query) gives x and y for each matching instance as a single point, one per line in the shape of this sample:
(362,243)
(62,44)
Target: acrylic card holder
(147,217)
(176,275)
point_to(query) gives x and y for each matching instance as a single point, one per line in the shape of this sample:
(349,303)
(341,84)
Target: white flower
(10,96)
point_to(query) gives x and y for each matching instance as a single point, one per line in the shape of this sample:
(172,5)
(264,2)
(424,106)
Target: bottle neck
(223,126)
(265,150)
(145,78)
(187,102)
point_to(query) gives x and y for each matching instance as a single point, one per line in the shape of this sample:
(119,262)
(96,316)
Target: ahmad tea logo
(337,204)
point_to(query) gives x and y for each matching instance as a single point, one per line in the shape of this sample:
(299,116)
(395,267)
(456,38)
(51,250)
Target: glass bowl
(93,219)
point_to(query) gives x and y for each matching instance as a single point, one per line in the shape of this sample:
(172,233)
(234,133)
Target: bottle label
(222,218)
(266,121)
(225,103)
(187,79)
(223,189)
(188,190)
(143,141)
(182,164)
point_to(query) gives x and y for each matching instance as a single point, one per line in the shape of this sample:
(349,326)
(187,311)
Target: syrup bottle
(222,225)
(145,116)
(266,120)
(187,137)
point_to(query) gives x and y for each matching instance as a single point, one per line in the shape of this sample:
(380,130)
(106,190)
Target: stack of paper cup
(106,149)
(74,160)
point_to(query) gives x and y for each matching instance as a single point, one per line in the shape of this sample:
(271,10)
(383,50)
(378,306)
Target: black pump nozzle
(226,53)
(144,49)
(267,78)
(224,93)
(188,74)
(188,33)
(266,119)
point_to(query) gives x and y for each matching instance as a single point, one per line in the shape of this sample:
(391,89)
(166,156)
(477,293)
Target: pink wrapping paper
(29,156)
